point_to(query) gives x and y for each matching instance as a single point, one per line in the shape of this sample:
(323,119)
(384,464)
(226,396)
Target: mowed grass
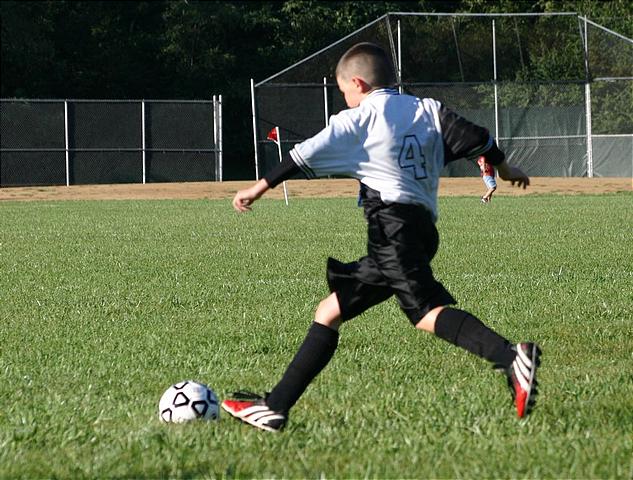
(103,305)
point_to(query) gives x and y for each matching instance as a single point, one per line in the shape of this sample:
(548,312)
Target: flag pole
(278,142)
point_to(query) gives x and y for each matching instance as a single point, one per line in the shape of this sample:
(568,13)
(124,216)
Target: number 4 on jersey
(411,156)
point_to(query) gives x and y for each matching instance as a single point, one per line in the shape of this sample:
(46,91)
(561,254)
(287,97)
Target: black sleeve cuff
(494,156)
(282,172)
(464,139)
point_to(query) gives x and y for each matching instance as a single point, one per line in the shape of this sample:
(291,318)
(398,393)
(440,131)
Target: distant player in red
(488,176)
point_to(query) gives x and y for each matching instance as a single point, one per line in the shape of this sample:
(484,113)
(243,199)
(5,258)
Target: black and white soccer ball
(186,401)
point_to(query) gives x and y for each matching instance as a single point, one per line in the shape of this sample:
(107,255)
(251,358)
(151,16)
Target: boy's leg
(468,332)
(313,355)
(318,347)
(351,295)
(519,362)
(491,185)
(488,195)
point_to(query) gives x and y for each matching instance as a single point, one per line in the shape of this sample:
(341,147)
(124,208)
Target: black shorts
(401,242)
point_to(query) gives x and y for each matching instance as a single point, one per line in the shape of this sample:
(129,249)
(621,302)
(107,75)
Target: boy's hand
(245,198)
(513,175)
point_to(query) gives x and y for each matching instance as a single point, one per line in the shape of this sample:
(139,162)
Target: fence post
(494,65)
(459,56)
(589,137)
(217,135)
(254,128)
(220,133)
(143,139)
(325,107)
(66,142)
(399,57)
(214,107)
(588,104)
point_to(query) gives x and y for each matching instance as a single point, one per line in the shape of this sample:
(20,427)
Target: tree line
(184,49)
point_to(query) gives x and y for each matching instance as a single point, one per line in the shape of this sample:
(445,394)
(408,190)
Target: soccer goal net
(554,89)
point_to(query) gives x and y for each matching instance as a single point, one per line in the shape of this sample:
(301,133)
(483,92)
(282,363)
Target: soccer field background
(104,304)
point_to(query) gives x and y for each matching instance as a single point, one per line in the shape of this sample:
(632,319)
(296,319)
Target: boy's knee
(328,312)
(427,322)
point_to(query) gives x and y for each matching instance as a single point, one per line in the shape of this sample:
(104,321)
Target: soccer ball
(186,401)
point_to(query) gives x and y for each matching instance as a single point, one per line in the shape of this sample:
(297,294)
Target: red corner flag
(272,135)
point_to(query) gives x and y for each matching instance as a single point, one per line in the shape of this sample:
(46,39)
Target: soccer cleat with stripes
(252,409)
(522,377)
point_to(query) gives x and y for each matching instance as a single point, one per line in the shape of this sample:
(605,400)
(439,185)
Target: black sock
(467,331)
(313,355)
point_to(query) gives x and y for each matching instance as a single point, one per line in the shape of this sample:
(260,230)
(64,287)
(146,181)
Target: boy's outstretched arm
(245,198)
(512,174)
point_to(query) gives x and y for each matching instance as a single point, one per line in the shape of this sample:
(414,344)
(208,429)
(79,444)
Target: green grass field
(103,305)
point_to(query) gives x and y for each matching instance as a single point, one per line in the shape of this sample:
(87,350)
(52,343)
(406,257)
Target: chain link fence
(73,142)
(554,89)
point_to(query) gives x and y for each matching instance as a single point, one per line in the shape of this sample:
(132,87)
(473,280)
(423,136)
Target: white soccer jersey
(392,143)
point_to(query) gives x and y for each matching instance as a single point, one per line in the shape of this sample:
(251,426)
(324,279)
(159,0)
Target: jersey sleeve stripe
(301,163)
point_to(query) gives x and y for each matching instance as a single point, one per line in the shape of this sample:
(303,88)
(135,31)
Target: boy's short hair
(368,61)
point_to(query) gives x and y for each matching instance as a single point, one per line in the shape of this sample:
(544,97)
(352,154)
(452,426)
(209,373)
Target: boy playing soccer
(488,176)
(396,145)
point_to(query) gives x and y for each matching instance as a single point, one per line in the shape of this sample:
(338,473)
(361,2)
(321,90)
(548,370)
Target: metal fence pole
(325,107)
(214,108)
(254,128)
(327,118)
(399,57)
(217,135)
(589,136)
(494,63)
(143,139)
(220,133)
(66,142)
(588,105)
(459,57)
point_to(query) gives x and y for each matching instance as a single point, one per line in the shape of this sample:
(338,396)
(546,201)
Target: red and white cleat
(522,377)
(252,409)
